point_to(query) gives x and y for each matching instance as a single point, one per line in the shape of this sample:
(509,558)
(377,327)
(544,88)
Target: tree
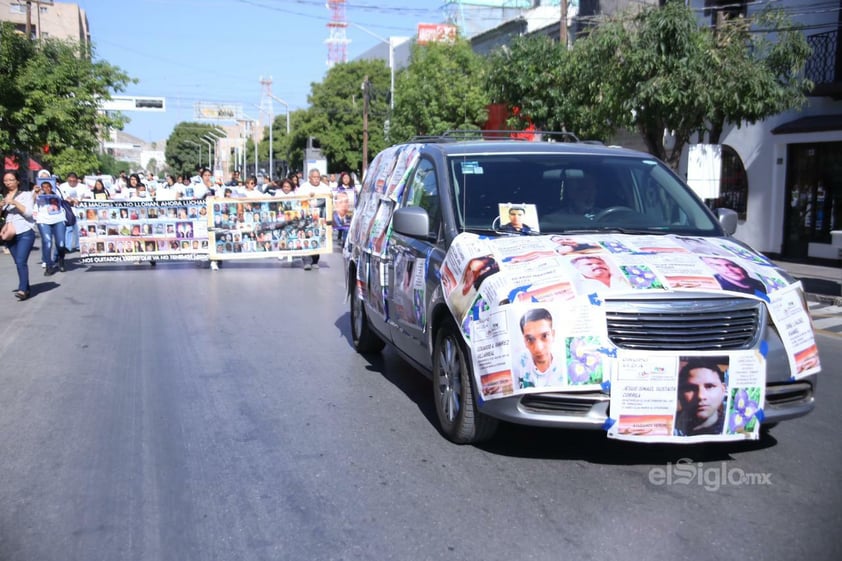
(80,162)
(335,116)
(444,87)
(185,151)
(51,95)
(109,165)
(658,71)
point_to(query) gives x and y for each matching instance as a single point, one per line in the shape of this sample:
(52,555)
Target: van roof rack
(455,135)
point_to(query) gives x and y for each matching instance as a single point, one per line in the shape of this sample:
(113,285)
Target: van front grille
(699,325)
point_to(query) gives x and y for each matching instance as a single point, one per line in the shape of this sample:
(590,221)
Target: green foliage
(444,87)
(185,151)
(658,70)
(335,116)
(109,165)
(51,94)
(81,162)
(655,70)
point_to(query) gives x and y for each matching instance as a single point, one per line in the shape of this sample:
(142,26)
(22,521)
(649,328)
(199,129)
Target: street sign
(135,103)
(217,111)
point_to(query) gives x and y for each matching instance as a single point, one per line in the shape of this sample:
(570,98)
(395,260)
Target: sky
(191,51)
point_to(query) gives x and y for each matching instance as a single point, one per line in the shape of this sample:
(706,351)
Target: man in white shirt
(539,367)
(73,191)
(313,187)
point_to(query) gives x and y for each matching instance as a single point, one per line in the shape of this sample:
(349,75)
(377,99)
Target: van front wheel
(456,407)
(365,340)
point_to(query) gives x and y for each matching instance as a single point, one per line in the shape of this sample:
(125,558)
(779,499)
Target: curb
(824,299)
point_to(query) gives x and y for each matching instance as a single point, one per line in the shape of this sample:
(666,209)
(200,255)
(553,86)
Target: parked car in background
(573,285)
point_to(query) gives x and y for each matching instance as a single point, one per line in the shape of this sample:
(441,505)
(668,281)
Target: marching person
(18,206)
(72,191)
(313,187)
(49,216)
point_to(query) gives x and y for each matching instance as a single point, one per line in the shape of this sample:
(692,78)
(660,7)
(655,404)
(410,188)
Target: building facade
(47,19)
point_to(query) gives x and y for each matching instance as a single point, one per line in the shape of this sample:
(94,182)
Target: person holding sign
(701,397)
(49,216)
(538,367)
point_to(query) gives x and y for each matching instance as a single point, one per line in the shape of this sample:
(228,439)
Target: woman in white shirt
(18,206)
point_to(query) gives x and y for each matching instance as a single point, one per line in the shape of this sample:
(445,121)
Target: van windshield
(551,193)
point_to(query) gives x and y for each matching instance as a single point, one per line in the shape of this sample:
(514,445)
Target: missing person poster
(674,397)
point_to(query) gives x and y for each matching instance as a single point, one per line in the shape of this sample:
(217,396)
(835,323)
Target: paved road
(178,414)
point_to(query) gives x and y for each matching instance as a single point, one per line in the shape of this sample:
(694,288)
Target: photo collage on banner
(119,231)
(531,308)
(255,228)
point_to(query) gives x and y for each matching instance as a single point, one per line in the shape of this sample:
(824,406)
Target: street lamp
(215,135)
(391,44)
(286,108)
(247,122)
(209,145)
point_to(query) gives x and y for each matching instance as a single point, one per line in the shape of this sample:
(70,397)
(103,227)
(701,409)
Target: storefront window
(814,195)
(733,184)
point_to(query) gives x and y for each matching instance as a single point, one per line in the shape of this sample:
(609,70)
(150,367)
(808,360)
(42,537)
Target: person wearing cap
(515,224)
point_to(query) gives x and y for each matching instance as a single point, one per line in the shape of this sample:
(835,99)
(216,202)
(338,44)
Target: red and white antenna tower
(337,42)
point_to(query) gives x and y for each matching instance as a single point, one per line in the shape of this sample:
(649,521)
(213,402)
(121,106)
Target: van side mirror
(728,220)
(412,221)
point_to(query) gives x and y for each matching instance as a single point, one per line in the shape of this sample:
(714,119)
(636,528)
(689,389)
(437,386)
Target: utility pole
(28,27)
(366,89)
(267,96)
(562,32)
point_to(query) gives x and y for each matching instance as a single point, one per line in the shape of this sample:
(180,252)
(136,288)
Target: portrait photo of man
(702,393)
(515,224)
(732,276)
(597,274)
(540,365)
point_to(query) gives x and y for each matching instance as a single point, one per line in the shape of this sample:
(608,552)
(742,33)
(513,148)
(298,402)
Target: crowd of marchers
(34,211)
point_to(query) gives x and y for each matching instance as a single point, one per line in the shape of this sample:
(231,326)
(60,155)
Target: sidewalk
(822,284)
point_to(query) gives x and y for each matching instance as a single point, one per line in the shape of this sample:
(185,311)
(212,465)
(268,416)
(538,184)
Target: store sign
(436,33)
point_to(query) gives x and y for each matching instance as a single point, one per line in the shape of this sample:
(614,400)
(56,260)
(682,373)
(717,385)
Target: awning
(816,123)
(12,164)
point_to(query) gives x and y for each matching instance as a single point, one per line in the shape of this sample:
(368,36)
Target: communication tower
(337,42)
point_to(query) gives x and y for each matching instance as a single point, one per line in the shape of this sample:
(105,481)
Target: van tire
(364,339)
(453,391)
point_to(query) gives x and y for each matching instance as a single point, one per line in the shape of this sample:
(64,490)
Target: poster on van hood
(533,311)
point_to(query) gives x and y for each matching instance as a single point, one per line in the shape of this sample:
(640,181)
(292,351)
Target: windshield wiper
(612,230)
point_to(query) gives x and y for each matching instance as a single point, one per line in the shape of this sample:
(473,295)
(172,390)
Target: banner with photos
(260,228)
(123,231)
